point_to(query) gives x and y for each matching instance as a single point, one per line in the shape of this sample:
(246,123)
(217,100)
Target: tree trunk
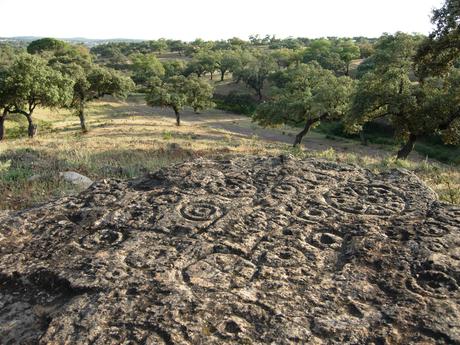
(299,137)
(407,147)
(211,74)
(259,94)
(32,129)
(81,115)
(176,111)
(363,138)
(347,72)
(2,126)
(222,75)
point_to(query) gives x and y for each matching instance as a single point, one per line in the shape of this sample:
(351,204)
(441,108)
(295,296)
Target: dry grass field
(128,139)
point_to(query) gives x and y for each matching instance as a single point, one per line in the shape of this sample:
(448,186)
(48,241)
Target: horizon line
(219,39)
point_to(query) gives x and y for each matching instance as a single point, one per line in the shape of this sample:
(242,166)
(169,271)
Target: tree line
(410,81)
(55,74)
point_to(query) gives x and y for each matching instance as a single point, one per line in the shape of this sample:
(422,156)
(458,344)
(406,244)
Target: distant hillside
(75,40)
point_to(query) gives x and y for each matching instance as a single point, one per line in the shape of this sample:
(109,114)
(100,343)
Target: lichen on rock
(250,250)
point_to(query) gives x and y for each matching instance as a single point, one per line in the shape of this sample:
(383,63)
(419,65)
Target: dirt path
(242,126)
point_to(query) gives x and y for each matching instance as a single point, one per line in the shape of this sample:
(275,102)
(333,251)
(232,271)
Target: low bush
(236,102)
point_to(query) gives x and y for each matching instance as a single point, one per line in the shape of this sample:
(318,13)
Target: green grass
(382,135)
(443,153)
(17,126)
(127,140)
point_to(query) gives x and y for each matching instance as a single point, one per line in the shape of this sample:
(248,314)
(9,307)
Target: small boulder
(76,179)
(33,178)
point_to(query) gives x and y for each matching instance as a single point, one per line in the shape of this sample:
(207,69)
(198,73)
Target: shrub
(236,102)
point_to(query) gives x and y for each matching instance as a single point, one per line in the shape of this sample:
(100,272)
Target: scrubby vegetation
(399,92)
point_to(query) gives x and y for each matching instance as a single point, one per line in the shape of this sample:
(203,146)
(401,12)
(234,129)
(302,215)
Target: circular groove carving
(313,214)
(376,200)
(200,211)
(433,283)
(326,240)
(285,189)
(102,239)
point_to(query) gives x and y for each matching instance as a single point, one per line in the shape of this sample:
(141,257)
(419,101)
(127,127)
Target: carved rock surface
(246,251)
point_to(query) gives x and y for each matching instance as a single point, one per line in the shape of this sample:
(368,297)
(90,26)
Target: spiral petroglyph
(200,211)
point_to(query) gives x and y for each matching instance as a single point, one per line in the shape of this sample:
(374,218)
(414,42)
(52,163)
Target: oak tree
(414,108)
(257,70)
(177,92)
(441,49)
(29,82)
(145,67)
(306,94)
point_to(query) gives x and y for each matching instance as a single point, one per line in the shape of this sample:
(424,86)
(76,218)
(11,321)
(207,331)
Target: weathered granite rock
(248,251)
(76,179)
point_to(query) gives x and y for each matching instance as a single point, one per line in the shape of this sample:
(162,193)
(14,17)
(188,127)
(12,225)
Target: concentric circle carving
(166,198)
(375,200)
(313,214)
(200,211)
(325,240)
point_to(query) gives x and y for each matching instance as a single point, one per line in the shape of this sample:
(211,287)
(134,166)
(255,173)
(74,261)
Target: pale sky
(212,19)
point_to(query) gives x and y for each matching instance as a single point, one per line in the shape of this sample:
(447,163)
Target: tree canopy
(29,82)
(305,94)
(177,92)
(321,51)
(389,91)
(204,61)
(441,50)
(199,93)
(348,51)
(46,44)
(174,67)
(146,67)
(256,71)
(227,60)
